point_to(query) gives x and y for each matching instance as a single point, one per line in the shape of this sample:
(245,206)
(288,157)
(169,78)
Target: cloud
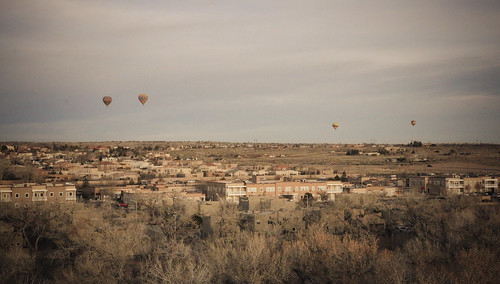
(229,70)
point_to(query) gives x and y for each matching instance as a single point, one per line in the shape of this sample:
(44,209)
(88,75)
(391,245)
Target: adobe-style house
(27,195)
(294,190)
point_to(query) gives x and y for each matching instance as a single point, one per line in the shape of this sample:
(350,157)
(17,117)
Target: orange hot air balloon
(107,100)
(413,122)
(143,98)
(335,125)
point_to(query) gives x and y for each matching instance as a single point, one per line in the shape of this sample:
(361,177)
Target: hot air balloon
(335,125)
(143,98)
(413,122)
(107,100)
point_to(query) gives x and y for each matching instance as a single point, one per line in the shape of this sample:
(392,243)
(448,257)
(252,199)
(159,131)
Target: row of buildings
(294,190)
(440,185)
(26,195)
(326,190)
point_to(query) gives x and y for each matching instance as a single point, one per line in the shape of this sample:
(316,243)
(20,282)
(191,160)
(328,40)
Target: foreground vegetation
(454,240)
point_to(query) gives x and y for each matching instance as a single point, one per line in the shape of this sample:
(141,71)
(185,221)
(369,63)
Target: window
(26,205)
(51,194)
(27,195)
(36,194)
(279,189)
(41,194)
(16,205)
(17,195)
(261,189)
(60,194)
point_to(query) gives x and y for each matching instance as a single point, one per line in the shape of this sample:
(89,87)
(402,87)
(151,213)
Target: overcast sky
(245,71)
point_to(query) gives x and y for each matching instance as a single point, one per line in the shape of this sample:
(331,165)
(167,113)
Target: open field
(438,159)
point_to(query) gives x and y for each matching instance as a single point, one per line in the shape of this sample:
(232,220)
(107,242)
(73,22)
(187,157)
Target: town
(206,171)
(205,191)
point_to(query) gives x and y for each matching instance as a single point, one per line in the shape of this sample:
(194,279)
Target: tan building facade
(28,195)
(295,190)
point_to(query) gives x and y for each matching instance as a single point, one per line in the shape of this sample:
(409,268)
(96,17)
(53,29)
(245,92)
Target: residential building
(491,185)
(226,190)
(436,185)
(417,184)
(294,190)
(27,195)
(454,185)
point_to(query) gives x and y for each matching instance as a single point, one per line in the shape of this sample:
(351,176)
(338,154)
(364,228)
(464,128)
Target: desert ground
(473,159)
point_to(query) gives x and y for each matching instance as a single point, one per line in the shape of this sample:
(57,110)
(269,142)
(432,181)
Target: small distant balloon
(143,98)
(335,125)
(107,100)
(413,122)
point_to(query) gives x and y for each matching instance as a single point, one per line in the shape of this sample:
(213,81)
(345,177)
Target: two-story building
(26,195)
(295,190)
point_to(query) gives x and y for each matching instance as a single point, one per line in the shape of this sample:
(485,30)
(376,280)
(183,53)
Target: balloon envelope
(107,100)
(143,98)
(335,125)
(413,122)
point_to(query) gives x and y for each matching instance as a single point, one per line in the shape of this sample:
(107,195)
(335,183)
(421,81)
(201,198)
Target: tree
(478,187)
(415,144)
(87,190)
(344,177)
(308,199)
(352,152)
(4,167)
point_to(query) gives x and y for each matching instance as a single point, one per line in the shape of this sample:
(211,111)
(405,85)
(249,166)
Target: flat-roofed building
(417,184)
(454,185)
(436,185)
(294,190)
(473,185)
(5,193)
(490,185)
(61,193)
(226,190)
(27,195)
